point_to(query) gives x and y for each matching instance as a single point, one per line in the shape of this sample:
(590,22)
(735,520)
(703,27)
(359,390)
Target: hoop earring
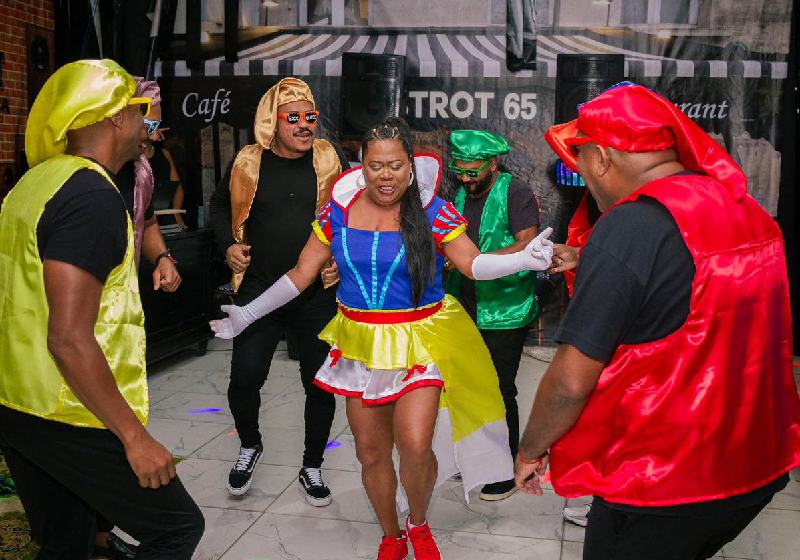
(411,181)
(361,183)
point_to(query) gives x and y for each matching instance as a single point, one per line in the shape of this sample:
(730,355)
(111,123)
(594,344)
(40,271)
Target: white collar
(429,174)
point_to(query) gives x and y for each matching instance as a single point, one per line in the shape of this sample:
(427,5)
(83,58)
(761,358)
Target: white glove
(239,318)
(537,255)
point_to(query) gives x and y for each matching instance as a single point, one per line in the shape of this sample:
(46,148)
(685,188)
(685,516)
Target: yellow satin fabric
(449,339)
(78,94)
(31,380)
(246,166)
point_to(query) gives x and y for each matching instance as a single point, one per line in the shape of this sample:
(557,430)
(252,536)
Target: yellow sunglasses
(143,102)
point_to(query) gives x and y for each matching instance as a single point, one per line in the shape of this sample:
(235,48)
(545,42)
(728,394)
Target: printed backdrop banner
(723,62)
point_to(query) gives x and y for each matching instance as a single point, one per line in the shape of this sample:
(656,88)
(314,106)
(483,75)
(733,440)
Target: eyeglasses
(152,126)
(143,102)
(471,173)
(311,117)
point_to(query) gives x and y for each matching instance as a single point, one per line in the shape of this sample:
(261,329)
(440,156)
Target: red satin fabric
(711,410)
(578,232)
(636,119)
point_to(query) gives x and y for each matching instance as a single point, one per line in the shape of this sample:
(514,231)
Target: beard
(479,187)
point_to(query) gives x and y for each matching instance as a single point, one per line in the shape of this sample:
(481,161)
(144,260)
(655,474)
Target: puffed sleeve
(447,225)
(322,225)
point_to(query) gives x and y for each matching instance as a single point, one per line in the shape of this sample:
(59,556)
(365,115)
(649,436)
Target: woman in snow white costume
(411,363)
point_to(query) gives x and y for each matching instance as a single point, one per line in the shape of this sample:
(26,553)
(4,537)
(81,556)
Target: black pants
(614,534)
(252,355)
(66,475)
(505,348)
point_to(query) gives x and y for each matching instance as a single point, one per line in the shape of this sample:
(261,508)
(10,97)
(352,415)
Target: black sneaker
(313,488)
(116,549)
(241,475)
(498,490)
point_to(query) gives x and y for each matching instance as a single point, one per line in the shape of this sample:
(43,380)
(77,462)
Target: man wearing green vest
(73,389)
(503,217)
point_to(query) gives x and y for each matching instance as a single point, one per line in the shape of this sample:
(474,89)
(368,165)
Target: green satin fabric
(31,380)
(509,302)
(476,145)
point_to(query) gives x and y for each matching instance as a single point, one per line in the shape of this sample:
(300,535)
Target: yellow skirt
(471,422)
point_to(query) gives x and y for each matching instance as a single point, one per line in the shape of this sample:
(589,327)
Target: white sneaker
(577,515)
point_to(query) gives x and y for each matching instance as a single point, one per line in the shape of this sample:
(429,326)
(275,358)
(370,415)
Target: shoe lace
(314,477)
(423,542)
(244,458)
(388,549)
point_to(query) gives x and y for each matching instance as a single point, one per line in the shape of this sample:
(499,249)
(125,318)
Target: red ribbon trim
(389,317)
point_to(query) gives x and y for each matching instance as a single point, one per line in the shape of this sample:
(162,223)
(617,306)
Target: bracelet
(166,254)
(522,458)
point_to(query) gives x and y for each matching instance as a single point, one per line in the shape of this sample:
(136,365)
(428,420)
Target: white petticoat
(352,378)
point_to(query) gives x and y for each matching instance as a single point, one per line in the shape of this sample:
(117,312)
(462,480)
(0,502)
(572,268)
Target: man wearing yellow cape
(261,213)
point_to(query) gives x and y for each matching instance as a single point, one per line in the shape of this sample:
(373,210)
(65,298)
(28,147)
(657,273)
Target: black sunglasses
(311,117)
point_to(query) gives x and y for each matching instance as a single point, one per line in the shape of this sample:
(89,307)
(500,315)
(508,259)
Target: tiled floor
(273,522)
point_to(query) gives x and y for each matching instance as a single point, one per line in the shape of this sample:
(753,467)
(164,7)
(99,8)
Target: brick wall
(14,16)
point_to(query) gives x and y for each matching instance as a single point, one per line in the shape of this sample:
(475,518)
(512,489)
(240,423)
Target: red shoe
(422,541)
(393,548)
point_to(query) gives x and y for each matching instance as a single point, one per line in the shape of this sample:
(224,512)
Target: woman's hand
(538,254)
(564,258)
(238,319)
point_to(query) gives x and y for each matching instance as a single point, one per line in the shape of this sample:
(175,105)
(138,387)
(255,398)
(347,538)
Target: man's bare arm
(73,297)
(562,395)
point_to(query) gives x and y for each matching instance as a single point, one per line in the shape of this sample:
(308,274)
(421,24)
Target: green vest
(508,302)
(30,380)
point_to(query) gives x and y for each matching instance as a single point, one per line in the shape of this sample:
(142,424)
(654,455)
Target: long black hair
(414,225)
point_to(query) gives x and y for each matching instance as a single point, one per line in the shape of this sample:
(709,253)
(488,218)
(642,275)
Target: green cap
(476,145)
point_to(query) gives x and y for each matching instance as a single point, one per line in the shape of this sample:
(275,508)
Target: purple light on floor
(332,444)
(205,411)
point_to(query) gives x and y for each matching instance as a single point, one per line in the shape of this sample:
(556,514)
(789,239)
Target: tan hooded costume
(244,174)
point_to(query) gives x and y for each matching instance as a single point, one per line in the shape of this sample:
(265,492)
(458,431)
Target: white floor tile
(519,516)
(223,527)
(184,437)
(193,406)
(477,546)
(282,446)
(212,361)
(571,550)
(788,498)
(349,500)
(285,537)
(773,535)
(207,481)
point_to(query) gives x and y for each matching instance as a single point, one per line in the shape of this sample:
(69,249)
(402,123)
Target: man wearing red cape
(671,398)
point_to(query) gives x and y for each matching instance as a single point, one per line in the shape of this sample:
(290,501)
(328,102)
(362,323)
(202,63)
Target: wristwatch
(166,254)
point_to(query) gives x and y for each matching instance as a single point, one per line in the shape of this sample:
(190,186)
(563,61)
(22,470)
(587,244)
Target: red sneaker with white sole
(422,541)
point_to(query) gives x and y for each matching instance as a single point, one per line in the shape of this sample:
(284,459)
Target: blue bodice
(372,265)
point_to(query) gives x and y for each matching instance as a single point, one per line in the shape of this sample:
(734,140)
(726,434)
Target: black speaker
(580,77)
(371,90)
(41,58)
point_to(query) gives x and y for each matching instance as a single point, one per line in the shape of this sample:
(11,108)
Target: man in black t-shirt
(261,213)
(670,374)
(502,216)
(73,398)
